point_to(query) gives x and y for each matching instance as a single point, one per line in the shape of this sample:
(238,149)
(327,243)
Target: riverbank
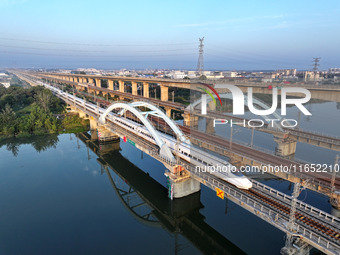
(26,112)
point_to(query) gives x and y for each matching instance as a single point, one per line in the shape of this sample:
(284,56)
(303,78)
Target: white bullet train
(204,162)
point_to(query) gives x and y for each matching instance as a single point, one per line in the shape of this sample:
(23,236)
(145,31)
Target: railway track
(259,155)
(331,233)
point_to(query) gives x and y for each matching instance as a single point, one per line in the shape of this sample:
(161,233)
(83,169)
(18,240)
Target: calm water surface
(65,199)
(60,195)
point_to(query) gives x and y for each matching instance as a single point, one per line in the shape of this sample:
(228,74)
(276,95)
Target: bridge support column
(285,146)
(110,84)
(121,86)
(93,124)
(105,135)
(181,185)
(209,126)
(145,89)
(94,135)
(168,111)
(190,120)
(335,200)
(164,93)
(82,114)
(98,83)
(212,106)
(90,80)
(299,248)
(134,88)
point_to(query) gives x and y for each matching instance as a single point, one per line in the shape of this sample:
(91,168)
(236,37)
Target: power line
(95,56)
(36,48)
(89,44)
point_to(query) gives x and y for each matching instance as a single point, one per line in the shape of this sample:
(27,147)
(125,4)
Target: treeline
(34,110)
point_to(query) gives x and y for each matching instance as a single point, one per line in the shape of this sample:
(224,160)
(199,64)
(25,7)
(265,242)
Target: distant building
(334,70)
(215,75)
(192,74)
(177,75)
(287,72)
(311,76)
(230,74)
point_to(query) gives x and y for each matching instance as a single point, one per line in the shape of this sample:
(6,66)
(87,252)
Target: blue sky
(164,34)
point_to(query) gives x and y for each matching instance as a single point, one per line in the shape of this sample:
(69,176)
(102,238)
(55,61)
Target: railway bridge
(241,154)
(305,226)
(140,90)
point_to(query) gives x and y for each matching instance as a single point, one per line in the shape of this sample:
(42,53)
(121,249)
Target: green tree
(7,120)
(44,99)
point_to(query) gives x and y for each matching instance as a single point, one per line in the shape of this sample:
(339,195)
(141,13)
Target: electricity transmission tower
(200,64)
(316,64)
(316,67)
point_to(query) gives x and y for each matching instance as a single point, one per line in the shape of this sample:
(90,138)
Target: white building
(192,74)
(230,74)
(334,70)
(177,75)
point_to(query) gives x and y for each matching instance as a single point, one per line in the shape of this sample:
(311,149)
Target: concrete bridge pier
(110,84)
(180,183)
(94,135)
(105,135)
(146,90)
(121,86)
(209,126)
(334,200)
(134,88)
(93,123)
(209,123)
(299,247)
(285,146)
(190,120)
(164,93)
(168,111)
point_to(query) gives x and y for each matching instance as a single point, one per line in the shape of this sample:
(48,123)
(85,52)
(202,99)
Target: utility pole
(200,64)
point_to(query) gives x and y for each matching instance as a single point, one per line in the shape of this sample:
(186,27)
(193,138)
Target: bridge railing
(315,135)
(330,219)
